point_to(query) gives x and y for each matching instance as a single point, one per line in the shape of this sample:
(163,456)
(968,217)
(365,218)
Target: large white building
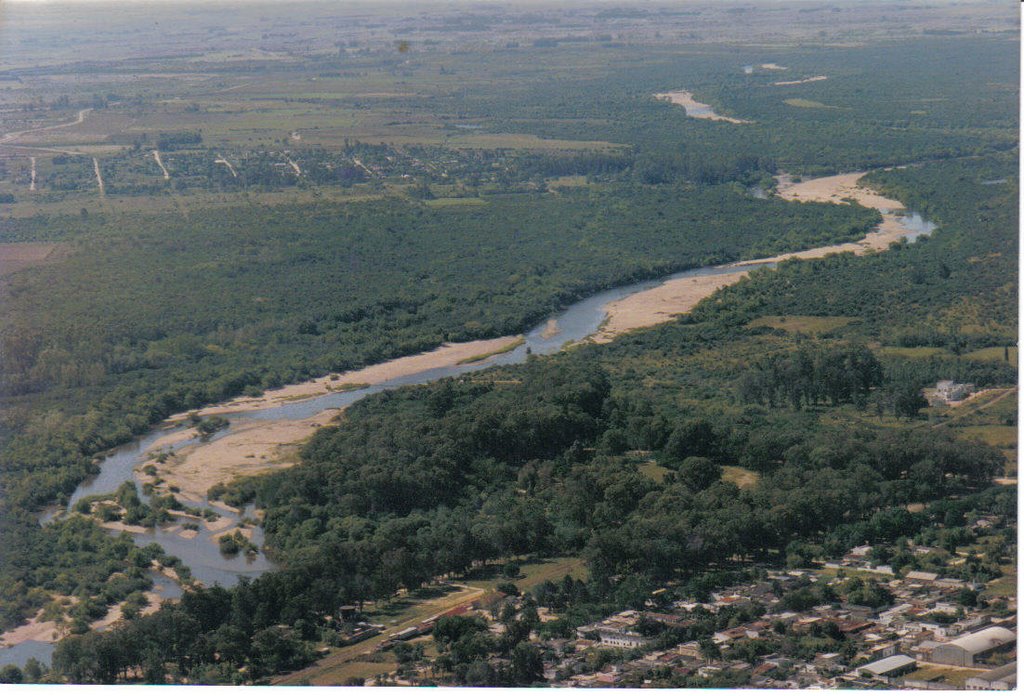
(965,650)
(948,390)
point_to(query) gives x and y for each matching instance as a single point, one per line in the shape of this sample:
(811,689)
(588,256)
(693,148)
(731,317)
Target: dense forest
(542,459)
(132,331)
(843,123)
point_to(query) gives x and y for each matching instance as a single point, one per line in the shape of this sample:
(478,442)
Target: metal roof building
(890,666)
(963,651)
(1001,678)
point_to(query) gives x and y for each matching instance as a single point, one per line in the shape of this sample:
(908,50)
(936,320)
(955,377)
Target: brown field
(15,256)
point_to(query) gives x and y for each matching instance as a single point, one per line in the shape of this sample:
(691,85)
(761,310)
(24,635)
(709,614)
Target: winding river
(201,553)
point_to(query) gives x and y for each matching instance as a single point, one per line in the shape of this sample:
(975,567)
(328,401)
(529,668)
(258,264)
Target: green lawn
(533,573)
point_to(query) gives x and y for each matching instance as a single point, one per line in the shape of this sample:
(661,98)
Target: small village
(854,621)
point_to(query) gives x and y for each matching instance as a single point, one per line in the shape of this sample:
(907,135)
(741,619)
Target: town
(935,615)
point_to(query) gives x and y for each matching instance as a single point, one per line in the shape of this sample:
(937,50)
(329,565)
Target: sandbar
(447,355)
(694,109)
(675,297)
(551,329)
(835,189)
(35,629)
(252,447)
(816,78)
(661,304)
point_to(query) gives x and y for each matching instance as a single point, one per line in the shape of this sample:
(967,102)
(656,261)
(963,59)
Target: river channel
(201,553)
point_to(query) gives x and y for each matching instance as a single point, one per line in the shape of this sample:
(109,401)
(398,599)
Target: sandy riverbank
(674,297)
(835,189)
(448,355)
(252,447)
(694,109)
(661,304)
(36,629)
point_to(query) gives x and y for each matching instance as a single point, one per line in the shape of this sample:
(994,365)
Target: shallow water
(19,654)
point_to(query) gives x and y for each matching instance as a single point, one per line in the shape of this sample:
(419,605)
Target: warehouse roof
(985,640)
(888,664)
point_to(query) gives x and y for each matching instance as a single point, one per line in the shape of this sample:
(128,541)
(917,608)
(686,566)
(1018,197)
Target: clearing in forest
(808,104)
(17,255)
(743,478)
(801,324)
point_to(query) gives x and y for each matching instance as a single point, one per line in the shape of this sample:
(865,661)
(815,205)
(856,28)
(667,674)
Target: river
(201,554)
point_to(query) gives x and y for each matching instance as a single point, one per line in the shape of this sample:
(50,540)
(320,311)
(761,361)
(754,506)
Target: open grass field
(994,353)
(455,202)
(802,324)
(743,478)
(991,417)
(653,471)
(1005,586)
(533,573)
(953,677)
(1001,436)
(808,104)
(16,256)
(915,352)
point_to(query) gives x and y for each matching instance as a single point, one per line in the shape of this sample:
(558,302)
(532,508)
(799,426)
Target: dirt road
(220,160)
(99,176)
(159,163)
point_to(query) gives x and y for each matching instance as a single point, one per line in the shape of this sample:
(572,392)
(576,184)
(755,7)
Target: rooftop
(888,664)
(984,639)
